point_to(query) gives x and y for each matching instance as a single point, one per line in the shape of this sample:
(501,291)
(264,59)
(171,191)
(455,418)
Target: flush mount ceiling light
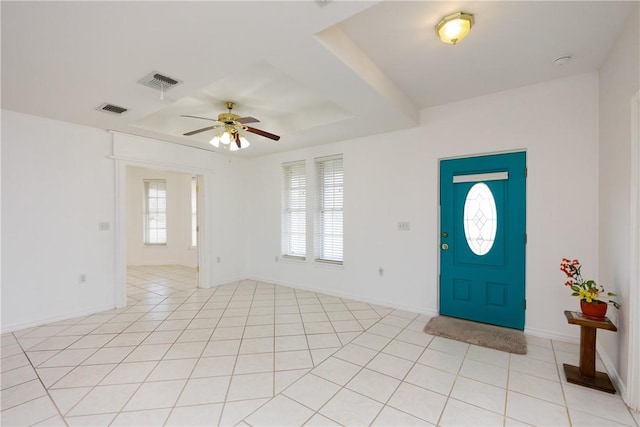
(453,28)
(563,60)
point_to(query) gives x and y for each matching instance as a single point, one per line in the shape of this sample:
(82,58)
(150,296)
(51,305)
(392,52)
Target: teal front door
(482,239)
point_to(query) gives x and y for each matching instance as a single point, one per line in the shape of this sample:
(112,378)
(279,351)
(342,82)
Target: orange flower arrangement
(586,290)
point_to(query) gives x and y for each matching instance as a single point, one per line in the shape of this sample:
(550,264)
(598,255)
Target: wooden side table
(586,374)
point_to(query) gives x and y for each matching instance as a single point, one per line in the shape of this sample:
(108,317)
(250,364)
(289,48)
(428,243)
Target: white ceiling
(310,71)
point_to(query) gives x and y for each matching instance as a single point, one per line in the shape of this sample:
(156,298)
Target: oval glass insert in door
(480,219)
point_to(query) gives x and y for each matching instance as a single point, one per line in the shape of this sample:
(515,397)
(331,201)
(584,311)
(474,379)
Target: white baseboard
(220,283)
(543,333)
(412,309)
(32,323)
(606,360)
(614,376)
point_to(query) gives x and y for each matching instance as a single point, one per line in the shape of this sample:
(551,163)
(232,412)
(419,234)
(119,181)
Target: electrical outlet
(218,259)
(381,271)
(82,278)
(103,226)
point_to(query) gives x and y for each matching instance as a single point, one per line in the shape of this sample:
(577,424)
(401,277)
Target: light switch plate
(404,226)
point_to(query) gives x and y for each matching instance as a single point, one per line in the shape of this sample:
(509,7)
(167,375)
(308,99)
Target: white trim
(477,177)
(330,265)
(288,259)
(120,234)
(205,260)
(484,153)
(205,178)
(385,304)
(542,333)
(614,376)
(171,167)
(59,318)
(632,395)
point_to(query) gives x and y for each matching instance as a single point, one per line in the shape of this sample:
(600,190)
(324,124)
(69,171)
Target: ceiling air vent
(112,109)
(159,81)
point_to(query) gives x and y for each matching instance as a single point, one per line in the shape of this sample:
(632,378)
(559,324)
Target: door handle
(445,247)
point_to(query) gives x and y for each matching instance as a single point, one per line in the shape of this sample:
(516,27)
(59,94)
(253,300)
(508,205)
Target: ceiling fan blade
(262,133)
(236,136)
(193,132)
(245,120)
(196,117)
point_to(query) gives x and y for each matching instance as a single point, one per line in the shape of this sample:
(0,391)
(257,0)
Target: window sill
(292,260)
(331,265)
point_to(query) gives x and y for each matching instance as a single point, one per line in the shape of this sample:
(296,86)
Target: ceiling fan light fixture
(229,127)
(453,28)
(243,144)
(225,138)
(215,141)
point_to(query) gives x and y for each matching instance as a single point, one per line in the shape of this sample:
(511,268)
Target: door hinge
(197,228)
(198,269)
(525,304)
(525,238)
(197,188)
(526,172)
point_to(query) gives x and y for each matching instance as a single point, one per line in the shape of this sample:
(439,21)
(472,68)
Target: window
(294,210)
(480,219)
(329,206)
(155,212)
(194,212)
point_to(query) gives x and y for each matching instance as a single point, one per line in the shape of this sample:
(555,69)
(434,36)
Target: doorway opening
(162,229)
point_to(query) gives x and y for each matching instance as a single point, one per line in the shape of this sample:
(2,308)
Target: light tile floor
(252,353)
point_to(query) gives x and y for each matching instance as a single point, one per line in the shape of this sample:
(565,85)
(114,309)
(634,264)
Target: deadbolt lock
(445,246)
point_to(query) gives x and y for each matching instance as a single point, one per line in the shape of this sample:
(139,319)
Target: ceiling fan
(230,125)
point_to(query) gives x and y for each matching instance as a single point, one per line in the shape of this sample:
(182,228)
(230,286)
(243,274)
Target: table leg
(587,351)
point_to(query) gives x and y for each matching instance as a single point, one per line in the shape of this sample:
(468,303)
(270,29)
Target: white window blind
(294,210)
(329,210)
(155,212)
(194,211)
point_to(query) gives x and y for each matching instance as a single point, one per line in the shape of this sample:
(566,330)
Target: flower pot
(596,309)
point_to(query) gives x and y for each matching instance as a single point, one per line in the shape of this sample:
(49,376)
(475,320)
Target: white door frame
(204,178)
(633,371)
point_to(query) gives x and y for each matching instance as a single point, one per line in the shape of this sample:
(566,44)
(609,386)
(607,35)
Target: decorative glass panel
(480,219)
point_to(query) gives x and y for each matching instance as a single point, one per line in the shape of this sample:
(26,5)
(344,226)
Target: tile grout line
(312,362)
(564,396)
(197,358)
(42,384)
(124,310)
(179,300)
(235,363)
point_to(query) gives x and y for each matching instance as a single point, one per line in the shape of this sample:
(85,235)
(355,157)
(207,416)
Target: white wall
(394,177)
(59,181)
(619,82)
(57,186)
(178,249)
